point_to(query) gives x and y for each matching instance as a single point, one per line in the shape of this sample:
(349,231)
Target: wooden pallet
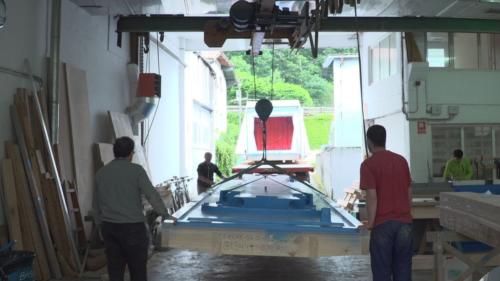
(352,195)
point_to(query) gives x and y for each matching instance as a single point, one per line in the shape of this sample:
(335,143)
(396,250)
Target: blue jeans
(391,251)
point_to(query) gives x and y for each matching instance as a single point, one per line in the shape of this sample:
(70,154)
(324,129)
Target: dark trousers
(391,251)
(202,188)
(126,244)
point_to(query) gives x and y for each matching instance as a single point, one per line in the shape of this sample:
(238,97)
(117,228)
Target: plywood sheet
(472,214)
(104,154)
(471,226)
(122,127)
(79,113)
(10,201)
(482,205)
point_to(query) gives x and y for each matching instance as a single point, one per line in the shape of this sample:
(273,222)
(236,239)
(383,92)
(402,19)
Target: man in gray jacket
(118,211)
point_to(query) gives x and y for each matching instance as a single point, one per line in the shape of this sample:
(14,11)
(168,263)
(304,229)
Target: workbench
(468,216)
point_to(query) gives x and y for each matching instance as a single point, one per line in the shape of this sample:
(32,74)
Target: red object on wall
(421,127)
(279,133)
(149,85)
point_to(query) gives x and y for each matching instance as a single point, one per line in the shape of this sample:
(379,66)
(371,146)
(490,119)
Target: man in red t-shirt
(386,178)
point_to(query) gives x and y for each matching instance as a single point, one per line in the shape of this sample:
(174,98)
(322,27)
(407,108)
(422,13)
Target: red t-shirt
(388,173)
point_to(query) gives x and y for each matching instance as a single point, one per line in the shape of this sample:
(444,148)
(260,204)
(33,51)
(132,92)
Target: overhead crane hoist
(264,20)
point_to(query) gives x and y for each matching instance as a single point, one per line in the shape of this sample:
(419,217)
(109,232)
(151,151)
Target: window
(465,50)
(415,46)
(445,139)
(496,52)
(480,143)
(202,126)
(437,49)
(393,56)
(486,48)
(461,50)
(383,59)
(375,64)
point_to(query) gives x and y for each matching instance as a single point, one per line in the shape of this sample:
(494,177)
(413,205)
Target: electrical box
(149,85)
(434,109)
(453,109)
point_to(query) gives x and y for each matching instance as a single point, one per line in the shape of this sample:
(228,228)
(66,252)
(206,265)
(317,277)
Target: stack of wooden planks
(474,215)
(48,187)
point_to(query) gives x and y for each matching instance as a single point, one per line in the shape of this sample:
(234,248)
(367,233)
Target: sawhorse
(479,264)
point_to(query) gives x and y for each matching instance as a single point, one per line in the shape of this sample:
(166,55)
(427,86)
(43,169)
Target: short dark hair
(458,153)
(123,147)
(377,135)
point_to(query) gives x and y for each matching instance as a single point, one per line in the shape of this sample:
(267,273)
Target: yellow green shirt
(458,169)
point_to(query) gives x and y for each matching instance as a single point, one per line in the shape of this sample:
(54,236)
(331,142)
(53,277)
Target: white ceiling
(487,9)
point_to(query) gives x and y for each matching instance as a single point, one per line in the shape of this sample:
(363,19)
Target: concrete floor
(182,265)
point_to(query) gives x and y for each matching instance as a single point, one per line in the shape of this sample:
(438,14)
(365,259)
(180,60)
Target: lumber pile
(48,187)
(474,215)
(34,213)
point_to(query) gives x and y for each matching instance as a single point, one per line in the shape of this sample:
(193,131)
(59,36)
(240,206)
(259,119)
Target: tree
(287,91)
(321,91)
(297,68)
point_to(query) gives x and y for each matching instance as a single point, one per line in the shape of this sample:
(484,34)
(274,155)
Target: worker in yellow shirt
(459,168)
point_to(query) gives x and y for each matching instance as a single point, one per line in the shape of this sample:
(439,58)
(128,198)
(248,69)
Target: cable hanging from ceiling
(254,83)
(272,73)
(360,75)
(159,100)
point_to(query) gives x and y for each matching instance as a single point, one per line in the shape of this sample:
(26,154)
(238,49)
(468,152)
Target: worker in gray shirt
(118,210)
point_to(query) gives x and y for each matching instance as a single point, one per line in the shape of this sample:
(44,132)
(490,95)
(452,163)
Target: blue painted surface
(271,203)
(493,188)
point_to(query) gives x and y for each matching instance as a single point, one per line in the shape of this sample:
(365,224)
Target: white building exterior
(442,98)
(336,163)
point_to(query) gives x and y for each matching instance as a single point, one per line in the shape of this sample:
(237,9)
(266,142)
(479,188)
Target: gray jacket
(117,195)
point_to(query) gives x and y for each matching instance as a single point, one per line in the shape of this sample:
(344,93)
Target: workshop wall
(87,42)
(164,140)
(470,94)
(18,43)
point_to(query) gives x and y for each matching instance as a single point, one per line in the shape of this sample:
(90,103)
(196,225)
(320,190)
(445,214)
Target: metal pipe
(167,50)
(24,75)
(55,172)
(34,190)
(53,81)
(179,23)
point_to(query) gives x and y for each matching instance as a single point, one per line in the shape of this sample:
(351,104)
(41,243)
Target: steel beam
(179,23)
(167,23)
(409,24)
